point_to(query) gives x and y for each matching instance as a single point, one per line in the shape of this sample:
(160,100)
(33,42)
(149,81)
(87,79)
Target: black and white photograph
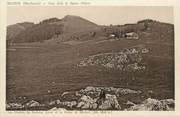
(94,58)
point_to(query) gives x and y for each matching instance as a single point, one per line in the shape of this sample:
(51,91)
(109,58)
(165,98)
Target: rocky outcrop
(17,106)
(98,98)
(94,91)
(86,102)
(70,104)
(109,103)
(154,105)
(14,106)
(89,98)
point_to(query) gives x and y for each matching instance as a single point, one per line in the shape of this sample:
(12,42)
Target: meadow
(42,71)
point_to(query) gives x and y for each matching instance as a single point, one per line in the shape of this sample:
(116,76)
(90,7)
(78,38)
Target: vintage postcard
(89,58)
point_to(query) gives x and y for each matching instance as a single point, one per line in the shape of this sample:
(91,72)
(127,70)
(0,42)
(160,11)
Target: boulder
(87,102)
(55,102)
(109,103)
(32,103)
(90,91)
(69,96)
(89,88)
(170,103)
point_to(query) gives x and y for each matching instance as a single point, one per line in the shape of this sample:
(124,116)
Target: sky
(102,15)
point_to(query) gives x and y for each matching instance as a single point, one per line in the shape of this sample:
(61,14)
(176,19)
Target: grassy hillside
(77,28)
(14,30)
(38,33)
(54,28)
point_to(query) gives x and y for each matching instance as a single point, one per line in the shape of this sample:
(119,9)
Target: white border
(176,113)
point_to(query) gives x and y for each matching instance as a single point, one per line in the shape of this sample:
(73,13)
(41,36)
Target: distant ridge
(72,27)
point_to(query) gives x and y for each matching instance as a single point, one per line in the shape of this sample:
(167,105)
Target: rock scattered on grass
(125,60)
(153,105)
(14,106)
(98,98)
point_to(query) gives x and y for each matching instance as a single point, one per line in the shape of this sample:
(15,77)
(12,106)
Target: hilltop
(52,28)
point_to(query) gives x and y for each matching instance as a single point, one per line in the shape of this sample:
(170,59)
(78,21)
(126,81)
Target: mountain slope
(147,29)
(54,27)
(14,30)
(77,28)
(38,32)
(75,24)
